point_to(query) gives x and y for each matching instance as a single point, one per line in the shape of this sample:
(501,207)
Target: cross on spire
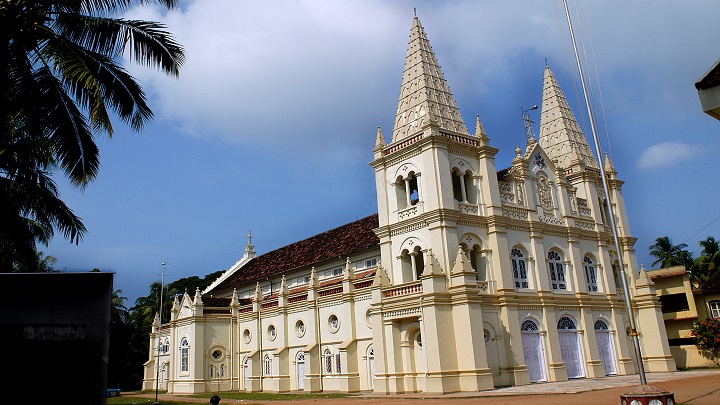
(249,237)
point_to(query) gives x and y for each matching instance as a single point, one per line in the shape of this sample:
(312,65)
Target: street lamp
(159,344)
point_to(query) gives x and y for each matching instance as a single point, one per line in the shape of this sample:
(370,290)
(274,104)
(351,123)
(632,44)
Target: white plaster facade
(475,278)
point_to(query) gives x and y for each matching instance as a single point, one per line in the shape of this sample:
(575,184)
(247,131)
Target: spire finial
(414,12)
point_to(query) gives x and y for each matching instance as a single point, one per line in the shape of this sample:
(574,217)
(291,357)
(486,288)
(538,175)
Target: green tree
(669,255)
(709,260)
(707,338)
(61,82)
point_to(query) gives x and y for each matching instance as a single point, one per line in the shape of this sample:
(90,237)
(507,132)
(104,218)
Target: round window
(272,334)
(247,336)
(300,328)
(333,323)
(216,354)
(368,320)
(486,335)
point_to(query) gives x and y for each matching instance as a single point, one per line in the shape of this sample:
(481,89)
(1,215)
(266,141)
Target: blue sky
(271,124)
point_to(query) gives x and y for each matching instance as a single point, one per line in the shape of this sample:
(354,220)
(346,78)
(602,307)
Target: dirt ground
(696,388)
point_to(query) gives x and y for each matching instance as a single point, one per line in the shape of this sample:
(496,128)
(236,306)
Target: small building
(682,306)
(708,88)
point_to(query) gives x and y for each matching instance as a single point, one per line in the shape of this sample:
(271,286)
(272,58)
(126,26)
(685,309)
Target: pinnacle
(425,95)
(560,135)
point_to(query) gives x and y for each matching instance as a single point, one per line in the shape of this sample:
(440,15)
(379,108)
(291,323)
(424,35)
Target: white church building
(467,278)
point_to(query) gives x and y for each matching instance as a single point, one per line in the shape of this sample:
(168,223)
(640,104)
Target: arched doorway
(570,347)
(605,346)
(247,370)
(300,362)
(371,367)
(533,350)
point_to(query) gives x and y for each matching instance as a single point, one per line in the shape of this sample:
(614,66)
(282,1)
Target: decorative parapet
(587,225)
(246,309)
(298,298)
(406,289)
(515,212)
(467,208)
(407,212)
(364,284)
(467,140)
(552,220)
(270,304)
(401,145)
(332,291)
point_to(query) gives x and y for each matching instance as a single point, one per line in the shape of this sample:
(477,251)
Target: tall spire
(560,134)
(424,93)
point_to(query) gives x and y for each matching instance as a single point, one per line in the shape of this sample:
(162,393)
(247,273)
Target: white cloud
(668,154)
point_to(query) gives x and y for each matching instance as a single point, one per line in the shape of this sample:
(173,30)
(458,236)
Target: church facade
(467,278)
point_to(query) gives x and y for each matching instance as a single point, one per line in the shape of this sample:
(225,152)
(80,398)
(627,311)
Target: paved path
(696,387)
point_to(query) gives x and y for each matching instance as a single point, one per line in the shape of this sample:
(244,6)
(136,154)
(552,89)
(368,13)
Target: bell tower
(431,173)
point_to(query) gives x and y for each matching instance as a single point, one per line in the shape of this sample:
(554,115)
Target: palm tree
(669,255)
(60,82)
(709,260)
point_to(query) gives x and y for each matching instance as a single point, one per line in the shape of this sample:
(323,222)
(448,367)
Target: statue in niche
(545,194)
(518,187)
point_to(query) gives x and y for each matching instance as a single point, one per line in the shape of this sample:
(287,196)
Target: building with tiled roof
(467,278)
(682,305)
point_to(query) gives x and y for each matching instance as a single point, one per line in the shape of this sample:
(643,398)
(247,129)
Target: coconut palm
(669,255)
(60,82)
(709,260)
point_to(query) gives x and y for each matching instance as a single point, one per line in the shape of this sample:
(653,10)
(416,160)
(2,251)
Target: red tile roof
(341,241)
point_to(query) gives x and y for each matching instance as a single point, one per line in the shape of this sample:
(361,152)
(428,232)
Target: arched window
(477,262)
(268,365)
(184,355)
(413,263)
(407,191)
(529,326)
(463,190)
(519,267)
(601,325)
(590,275)
(328,361)
(565,323)
(557,271)
(714,309)
(616,276)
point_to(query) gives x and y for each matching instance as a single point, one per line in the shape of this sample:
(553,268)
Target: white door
(247,371)
(371,368)
(301,375)
(607,354)
(570,352)
(534,355)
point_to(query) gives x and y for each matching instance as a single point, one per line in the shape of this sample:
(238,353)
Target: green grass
(266,396)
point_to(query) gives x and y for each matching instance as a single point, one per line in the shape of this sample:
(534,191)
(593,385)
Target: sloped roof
(667,272)
(341,241)
(712,285)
